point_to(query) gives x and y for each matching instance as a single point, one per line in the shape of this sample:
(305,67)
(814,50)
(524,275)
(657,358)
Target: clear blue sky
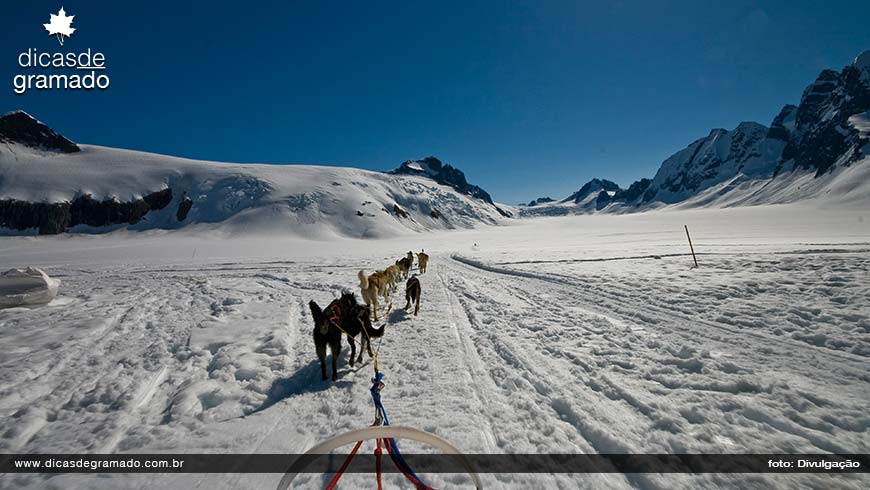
(528,98)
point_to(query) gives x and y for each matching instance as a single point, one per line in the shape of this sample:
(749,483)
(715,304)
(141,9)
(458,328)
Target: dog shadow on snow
(397,316)
(307,380)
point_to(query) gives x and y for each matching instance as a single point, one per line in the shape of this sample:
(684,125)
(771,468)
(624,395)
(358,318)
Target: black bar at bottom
(437,463)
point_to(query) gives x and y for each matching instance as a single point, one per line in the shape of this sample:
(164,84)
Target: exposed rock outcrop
(183,208)
(444,174)
(22,128)
(54,218)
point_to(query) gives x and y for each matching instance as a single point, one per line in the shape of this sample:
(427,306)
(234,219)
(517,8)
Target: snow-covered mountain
(49,184)
(446,174)
(717,158)
(815,150)
(593,195)
(539,201)
(594,186)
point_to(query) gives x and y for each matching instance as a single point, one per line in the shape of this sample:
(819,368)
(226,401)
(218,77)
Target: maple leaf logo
(60,25)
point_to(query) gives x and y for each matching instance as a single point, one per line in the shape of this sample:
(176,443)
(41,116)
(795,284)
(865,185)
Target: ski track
(530,359)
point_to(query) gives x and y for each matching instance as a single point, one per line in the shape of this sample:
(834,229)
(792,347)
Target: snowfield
(586,334)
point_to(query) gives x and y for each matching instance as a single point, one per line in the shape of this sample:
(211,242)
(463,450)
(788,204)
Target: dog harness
(333,313)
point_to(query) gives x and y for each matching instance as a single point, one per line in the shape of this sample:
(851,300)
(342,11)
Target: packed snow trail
(526,353)
(685,356)
(220,359)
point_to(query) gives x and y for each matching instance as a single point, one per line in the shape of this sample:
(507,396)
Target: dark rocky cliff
(54,218)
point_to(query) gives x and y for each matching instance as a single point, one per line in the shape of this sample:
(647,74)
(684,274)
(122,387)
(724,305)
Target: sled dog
(413,291)
(371,287)
(351,317)
(422,261)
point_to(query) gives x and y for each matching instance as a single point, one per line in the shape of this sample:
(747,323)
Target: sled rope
(381,417)
(369,339)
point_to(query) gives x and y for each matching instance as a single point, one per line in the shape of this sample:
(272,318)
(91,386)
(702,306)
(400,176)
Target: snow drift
(26,287)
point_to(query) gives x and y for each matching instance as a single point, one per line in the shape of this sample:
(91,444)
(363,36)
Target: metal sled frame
(379,432)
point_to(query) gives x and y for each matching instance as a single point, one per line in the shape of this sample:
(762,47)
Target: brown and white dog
(413,291)
(392,273)
(405,263)
(422,261)
(371,287)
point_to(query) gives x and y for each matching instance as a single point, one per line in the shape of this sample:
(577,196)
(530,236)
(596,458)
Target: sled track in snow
(615,369)
(502,345)
(826,251)
(569,282)
(470,357)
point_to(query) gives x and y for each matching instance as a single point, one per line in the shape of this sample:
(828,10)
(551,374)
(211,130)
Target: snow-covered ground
(573,334)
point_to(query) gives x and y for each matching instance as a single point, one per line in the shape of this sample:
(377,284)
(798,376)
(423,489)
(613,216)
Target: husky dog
(405,263)
(351,317)
(422,261)
(402,266)
(371,287)
(413,291)
(392,273)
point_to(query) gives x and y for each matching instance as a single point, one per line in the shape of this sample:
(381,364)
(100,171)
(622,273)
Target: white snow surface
(861,122)
(580,334)
(305,200)
(846,186)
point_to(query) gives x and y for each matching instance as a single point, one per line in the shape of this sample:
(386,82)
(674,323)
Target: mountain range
(818,148)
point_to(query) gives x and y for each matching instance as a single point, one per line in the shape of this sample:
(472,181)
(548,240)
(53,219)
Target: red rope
(340,472)
(378,464)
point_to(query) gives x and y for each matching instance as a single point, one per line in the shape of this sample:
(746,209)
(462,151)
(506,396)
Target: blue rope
(376,396)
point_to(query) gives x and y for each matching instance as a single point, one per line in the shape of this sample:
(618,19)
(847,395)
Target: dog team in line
(344,316)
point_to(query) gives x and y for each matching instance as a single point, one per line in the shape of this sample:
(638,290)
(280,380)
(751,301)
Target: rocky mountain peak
(822,136)
(22,128)
(594,186)
(862,64)
(442,173)
(539,201)
(783,123)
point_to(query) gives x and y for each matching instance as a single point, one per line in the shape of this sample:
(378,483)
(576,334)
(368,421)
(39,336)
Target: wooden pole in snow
(690,245)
